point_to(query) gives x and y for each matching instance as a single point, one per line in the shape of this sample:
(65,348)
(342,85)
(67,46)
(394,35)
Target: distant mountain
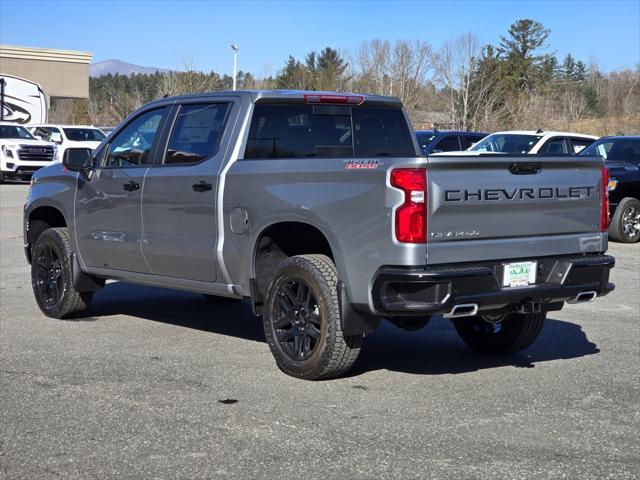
(123,68)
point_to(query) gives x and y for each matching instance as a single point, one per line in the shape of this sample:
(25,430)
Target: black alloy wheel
(48,279)
(52,276)
(296,319)
(302,322)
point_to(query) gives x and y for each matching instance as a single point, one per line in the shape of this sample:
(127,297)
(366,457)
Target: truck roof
(280,95)
(543,133)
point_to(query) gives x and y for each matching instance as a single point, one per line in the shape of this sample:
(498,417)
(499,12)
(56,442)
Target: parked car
(436,141)
(21,154)
(69,136)
(534,142)
(321,210)
(622,157)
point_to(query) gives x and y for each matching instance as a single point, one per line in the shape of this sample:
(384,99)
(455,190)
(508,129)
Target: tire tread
(74,303)
(341,351)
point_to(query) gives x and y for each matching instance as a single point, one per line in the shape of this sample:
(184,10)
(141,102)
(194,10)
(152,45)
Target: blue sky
(165,33)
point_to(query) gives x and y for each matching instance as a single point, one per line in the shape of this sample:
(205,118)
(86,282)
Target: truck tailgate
(500,207)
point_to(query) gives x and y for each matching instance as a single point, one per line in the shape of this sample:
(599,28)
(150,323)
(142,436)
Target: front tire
(302,320)
(52,277)
(512,333)
(625,224)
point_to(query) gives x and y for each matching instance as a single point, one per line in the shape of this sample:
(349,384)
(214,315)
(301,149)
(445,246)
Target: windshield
(15,131)
(616,149)
(506,143)
(84,134)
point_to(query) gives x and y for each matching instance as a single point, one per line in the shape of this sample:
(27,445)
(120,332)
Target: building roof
(46,54)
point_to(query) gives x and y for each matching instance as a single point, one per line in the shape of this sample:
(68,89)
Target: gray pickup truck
(319,209)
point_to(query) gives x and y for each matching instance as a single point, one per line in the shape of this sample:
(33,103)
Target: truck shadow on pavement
(434,350)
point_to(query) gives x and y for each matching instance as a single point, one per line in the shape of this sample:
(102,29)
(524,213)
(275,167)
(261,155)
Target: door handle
(201,186)
(131,186)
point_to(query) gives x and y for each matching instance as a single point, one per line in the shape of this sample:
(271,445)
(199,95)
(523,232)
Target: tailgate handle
(525,168)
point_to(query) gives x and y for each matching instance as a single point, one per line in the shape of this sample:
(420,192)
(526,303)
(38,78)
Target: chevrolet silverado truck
(321,211)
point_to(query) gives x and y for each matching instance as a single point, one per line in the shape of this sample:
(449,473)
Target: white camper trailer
(21,101)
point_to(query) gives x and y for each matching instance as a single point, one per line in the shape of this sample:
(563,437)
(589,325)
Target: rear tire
(302,320)
(625,224)
(52,276)
(515,332)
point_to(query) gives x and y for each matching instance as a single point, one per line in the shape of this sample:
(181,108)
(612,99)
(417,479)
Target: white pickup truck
(68,136)
(21,154)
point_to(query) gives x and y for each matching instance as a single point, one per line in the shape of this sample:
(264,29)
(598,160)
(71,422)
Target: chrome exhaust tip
(585,297)
(462,310)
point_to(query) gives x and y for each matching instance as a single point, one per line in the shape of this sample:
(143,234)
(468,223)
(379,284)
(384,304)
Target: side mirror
(78,159)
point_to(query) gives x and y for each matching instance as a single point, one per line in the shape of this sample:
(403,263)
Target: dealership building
(62,74)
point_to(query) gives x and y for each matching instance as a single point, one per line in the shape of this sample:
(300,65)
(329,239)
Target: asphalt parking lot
(162,384)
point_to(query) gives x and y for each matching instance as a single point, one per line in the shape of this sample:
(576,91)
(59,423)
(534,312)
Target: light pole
(235,49)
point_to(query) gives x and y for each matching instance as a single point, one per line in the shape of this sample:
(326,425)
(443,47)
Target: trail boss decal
(362,164)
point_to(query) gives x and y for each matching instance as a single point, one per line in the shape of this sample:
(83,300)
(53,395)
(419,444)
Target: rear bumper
(436,290)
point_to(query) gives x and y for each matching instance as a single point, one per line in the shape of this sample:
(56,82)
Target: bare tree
(468,90)
(189,80)
(411,63)
(373,74)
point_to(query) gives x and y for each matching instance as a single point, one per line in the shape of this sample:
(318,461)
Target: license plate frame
(519,274)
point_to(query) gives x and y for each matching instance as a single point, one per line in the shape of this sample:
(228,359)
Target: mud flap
(83,282)
(353,322)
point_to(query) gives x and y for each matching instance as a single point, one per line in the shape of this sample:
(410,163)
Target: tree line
(515,83)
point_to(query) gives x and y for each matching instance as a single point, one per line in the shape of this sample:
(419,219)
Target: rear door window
(381,132)
(466,141)
(555,146)
(579,144)
(625,150)
(327,131)
(447,144)
(196,133)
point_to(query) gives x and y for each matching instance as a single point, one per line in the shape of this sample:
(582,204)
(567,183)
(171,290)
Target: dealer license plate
(519,274)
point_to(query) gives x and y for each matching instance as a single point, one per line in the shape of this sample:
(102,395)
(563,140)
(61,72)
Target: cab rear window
(327,131)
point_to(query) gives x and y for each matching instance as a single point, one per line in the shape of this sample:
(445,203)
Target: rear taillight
(411,216)
(330,98)
(604,204)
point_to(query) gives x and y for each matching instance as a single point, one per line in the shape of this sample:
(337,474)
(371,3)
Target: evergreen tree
(331,68)
(580,71)
(518,50)
(549,66)
(568,67)
(311,66)
(291,76)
